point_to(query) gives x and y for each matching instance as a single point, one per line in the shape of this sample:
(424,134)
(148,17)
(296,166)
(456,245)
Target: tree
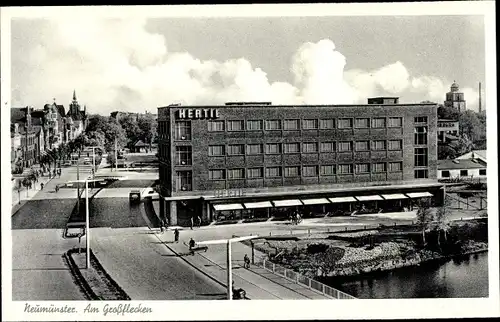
(425,216)
(463,145)
(441,221)
(129,124)
(446,152)
(148,128)
(330,258)
(447,112)
(471,126)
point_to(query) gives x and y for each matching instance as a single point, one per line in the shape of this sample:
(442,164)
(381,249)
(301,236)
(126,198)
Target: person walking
(192,222)
(246,261)
(199,221)
(162,225)
(192,244)
(41,186)
(176,235)
(57,188)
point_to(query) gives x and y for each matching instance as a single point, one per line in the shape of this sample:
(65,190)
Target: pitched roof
(60,109)
(140,143)
(18,114)
(480,153)
(459,164)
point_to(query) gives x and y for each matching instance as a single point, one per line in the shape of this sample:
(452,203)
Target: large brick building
(256,159)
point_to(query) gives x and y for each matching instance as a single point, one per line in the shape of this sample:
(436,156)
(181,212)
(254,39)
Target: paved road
(147,270)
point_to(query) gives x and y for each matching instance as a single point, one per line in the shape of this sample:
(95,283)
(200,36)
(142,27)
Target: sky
(136,64)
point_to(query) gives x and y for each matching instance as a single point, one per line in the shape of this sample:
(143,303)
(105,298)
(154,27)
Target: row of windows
(463,173)
(305,171)
(307,124)
(307,147)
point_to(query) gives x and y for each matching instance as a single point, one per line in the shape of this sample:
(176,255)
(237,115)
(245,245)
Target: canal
(456,278)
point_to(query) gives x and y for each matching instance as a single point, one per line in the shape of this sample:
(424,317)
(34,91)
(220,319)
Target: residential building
(463,169)
(257,159)
(25,138)
(479,155)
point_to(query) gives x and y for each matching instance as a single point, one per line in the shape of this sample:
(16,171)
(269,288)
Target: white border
(270,310)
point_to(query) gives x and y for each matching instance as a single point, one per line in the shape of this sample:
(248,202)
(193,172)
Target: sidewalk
(258,283)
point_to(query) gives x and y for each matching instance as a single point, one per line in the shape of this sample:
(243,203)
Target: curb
(124,296)
(80,281)
(23,202)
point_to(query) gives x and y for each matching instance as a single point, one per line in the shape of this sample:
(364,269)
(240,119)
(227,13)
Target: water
(456,278)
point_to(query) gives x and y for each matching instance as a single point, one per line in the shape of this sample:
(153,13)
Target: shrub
(317,248)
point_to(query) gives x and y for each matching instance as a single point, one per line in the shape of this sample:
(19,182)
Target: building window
(183,155)
(236,149)
(362,145)
(255,149)
(345,123)
(328,170)
(345,168)
(236,173)
(216,150)
(310,147)
(215,126)
(235,125)
(482,172)
(421,119)
(254,173)
(464,173)
(183,180)
(273,125)
(273,172)
(291,147)
(395,144)
(445,174)
(421,157)
(327,147)
(362,123)
(420,135)
(254,125)
(291,125)
(362,168)
(378,122)
(379,167)
(273,148)
(183,130)
(310,124)
(378,145)
(345,146)
(310,171)
(395,122)
(292,172)
(421,174)
(395,166)
(216,174)
(327,124)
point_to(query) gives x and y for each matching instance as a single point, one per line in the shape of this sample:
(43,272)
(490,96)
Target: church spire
(74,95)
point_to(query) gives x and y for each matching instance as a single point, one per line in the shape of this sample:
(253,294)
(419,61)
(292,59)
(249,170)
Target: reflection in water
(465,276)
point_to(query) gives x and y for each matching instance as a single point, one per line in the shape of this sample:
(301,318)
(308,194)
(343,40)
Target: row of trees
(472,133)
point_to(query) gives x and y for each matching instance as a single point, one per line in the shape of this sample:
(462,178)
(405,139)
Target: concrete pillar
(172,214)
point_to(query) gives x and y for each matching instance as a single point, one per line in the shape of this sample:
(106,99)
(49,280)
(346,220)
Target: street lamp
(87,218)
(229,268)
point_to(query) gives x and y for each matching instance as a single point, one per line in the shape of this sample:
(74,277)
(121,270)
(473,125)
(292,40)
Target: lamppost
(87,218)
(228,259)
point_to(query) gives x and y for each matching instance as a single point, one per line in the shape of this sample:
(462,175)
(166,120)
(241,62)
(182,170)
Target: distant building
(455,98)
(25,138)
(448,130)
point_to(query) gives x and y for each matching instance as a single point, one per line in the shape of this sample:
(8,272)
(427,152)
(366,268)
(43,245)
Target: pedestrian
(57,188)
(162,225)
(192,244)
(41,186)
(192,222)
(246,261)
(199,221)
(59,172)
(55,172)
(176,235)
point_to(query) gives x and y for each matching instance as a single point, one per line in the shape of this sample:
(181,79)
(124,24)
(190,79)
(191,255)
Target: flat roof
(261,105)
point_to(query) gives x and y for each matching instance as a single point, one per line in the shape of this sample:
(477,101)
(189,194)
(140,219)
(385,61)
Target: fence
(300,279)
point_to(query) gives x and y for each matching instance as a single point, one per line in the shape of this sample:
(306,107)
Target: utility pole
(116,156)
(480,107)
(78,183)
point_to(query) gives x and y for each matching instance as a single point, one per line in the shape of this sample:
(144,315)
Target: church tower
(74,107)
(455,98)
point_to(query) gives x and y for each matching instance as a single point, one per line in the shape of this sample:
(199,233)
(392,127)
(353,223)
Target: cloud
(116,64)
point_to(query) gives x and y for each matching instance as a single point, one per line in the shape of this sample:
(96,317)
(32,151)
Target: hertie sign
(199,113)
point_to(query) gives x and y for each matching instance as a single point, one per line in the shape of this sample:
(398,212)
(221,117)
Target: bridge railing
(300,279)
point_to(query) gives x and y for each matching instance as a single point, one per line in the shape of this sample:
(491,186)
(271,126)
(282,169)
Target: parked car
(67,163)
(86,161)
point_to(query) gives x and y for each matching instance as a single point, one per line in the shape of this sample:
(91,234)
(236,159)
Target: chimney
(480,107)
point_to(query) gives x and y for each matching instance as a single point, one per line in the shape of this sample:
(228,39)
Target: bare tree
(425,216)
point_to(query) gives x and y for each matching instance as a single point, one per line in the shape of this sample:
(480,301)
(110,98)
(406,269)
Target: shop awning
(369,198)
(319,201)
(287,203)
(228,206)
(262,204)
(419,194)
(394,196)
(342,199)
